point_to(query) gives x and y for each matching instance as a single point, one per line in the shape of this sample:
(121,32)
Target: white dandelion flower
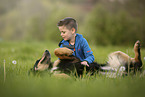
(14,62)
(13,50)
(122,68)
(144,58)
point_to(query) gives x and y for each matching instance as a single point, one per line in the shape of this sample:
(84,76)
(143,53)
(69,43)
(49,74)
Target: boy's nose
(61,34)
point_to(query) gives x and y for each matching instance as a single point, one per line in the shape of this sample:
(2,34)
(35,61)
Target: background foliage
(116,23)
(102,22)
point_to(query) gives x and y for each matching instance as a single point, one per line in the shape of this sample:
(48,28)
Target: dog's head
(46,58)
(44,62)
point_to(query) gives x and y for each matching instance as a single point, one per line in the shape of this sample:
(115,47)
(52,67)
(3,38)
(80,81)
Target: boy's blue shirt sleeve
(83,51)
(89,57)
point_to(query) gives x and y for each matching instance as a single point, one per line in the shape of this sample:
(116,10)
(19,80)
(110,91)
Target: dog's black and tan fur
(74,66)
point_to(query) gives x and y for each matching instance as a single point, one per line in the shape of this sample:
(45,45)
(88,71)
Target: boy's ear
(73,30)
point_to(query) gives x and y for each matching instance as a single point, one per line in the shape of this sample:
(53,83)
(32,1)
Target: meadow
(19,57)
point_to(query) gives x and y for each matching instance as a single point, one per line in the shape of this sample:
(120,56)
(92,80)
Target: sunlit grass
(18,83)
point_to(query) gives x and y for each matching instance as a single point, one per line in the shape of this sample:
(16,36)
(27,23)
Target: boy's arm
(89,57)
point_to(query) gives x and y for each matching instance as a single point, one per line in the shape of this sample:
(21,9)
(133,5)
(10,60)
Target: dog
(118,62)
(68,64)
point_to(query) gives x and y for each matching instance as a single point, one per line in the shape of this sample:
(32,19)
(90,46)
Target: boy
(74,41)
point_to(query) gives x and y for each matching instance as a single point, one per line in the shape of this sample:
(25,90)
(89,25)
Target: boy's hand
(85,63)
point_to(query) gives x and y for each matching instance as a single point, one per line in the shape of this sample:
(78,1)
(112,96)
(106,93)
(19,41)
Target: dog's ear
(63,53)
(36,64)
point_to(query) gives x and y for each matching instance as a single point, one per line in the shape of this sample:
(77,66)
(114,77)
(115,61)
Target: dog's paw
(63,53)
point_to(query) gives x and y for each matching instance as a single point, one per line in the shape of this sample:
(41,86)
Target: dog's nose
(46,51)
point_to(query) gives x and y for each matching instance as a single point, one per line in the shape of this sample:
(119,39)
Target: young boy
(74,41)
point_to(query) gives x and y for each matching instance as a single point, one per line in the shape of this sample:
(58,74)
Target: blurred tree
(7,5)
(104,22)
(113,23)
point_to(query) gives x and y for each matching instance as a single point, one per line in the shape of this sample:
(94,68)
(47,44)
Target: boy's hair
(69,23)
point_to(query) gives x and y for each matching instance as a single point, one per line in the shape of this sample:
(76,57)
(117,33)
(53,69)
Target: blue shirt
(81,48)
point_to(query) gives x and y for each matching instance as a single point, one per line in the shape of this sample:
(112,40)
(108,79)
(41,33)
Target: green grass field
(17,83)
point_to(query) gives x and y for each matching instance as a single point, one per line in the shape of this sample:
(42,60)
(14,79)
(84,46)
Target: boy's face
(66,34)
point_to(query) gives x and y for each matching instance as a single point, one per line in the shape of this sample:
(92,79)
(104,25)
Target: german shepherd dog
(66,66)
(73,64)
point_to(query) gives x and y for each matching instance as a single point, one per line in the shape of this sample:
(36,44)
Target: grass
(19,84)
